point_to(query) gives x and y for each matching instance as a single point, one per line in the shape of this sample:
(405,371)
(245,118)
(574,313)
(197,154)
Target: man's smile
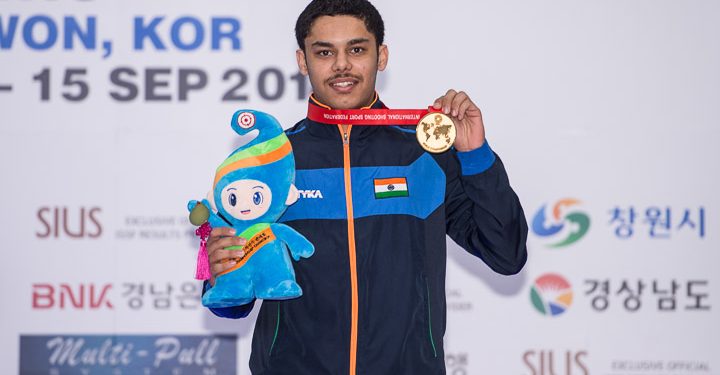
(344,84)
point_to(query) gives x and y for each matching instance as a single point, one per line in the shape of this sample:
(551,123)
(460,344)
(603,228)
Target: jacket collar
(332,130)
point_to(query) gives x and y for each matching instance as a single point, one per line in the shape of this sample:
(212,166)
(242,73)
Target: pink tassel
(203,263)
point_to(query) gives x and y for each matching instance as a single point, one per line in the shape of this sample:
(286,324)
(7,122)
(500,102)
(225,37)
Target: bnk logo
(65,296)
(566,224)
(551,294)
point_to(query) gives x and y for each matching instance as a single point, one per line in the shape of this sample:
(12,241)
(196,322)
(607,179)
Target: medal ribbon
(377,117)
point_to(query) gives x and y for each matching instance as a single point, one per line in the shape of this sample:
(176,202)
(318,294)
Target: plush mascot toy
(252,189)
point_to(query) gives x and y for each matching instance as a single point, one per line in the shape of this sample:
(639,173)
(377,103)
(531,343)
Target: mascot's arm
(212,217)
(299,246)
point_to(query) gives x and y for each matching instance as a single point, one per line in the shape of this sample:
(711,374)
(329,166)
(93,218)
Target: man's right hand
(221,259)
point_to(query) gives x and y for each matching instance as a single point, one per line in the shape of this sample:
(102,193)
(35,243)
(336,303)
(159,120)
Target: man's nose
(342,63)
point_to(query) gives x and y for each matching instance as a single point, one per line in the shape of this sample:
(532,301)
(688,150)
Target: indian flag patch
(391,187)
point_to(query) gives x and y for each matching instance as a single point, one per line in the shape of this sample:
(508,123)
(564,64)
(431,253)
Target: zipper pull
(345,138)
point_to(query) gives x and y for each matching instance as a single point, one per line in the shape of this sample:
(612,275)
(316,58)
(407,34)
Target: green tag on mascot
(252,189)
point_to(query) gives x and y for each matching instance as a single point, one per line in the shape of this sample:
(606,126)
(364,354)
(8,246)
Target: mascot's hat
(268,158)
(269,146)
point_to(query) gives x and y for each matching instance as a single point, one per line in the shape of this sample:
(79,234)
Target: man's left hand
(466,116)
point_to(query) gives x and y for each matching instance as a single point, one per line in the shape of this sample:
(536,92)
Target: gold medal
(436,132)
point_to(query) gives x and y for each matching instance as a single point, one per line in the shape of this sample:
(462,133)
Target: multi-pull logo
(128,354)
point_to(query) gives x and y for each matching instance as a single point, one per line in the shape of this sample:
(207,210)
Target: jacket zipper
(351,248)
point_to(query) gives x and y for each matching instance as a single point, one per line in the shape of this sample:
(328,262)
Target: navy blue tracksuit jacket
(374,291)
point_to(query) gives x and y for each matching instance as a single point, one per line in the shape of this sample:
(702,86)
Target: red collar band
(377,117)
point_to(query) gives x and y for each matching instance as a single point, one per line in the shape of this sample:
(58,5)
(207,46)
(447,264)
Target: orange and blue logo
(566,223)
(551,294)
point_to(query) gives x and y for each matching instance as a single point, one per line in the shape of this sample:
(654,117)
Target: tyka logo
(82,297)
(550,362)
(565,224)
(82,222)
(551,294)
(311,194)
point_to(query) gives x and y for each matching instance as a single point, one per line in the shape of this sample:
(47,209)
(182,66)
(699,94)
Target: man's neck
(369,103)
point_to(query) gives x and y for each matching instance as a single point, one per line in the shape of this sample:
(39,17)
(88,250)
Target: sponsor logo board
(128,354)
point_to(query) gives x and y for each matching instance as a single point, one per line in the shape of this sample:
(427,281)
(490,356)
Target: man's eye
(324,53)
(357,50)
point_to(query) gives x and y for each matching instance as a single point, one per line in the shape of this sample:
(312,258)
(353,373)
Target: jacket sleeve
(483,213)
(234,312)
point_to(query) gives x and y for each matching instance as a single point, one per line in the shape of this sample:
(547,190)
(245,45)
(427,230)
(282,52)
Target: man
(374,291)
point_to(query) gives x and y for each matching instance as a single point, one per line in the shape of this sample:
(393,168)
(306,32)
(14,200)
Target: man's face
(342,61)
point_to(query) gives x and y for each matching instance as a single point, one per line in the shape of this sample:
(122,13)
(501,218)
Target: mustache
(345,75)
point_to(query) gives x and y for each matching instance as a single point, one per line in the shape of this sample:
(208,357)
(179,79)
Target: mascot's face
(255,183)
(246,199)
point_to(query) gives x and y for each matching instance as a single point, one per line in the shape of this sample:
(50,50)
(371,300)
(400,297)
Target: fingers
(223,260)
(463,107)
(448,101)
(458,100)
(222,232)
(445,101)
(454,103)
(224,256)
(437,104)
(217,268)
(220,257)
(221,238)
(218,243)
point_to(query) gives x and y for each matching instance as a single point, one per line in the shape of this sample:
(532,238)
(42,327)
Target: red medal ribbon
(379,117)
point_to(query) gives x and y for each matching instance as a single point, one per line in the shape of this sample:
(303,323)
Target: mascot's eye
(232,199)
(257,198)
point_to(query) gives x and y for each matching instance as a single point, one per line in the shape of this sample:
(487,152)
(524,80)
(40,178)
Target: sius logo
(546,362)
(311,194)
(84,297)
(569,227)
(73,223)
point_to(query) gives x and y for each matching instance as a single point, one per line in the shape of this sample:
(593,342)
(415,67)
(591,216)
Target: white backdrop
(612,104)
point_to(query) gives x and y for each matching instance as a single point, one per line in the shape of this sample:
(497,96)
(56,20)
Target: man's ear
(383,55)
(301,61)
(293,195)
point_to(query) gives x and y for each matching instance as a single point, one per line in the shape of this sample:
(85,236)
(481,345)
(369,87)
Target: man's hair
(361,9)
